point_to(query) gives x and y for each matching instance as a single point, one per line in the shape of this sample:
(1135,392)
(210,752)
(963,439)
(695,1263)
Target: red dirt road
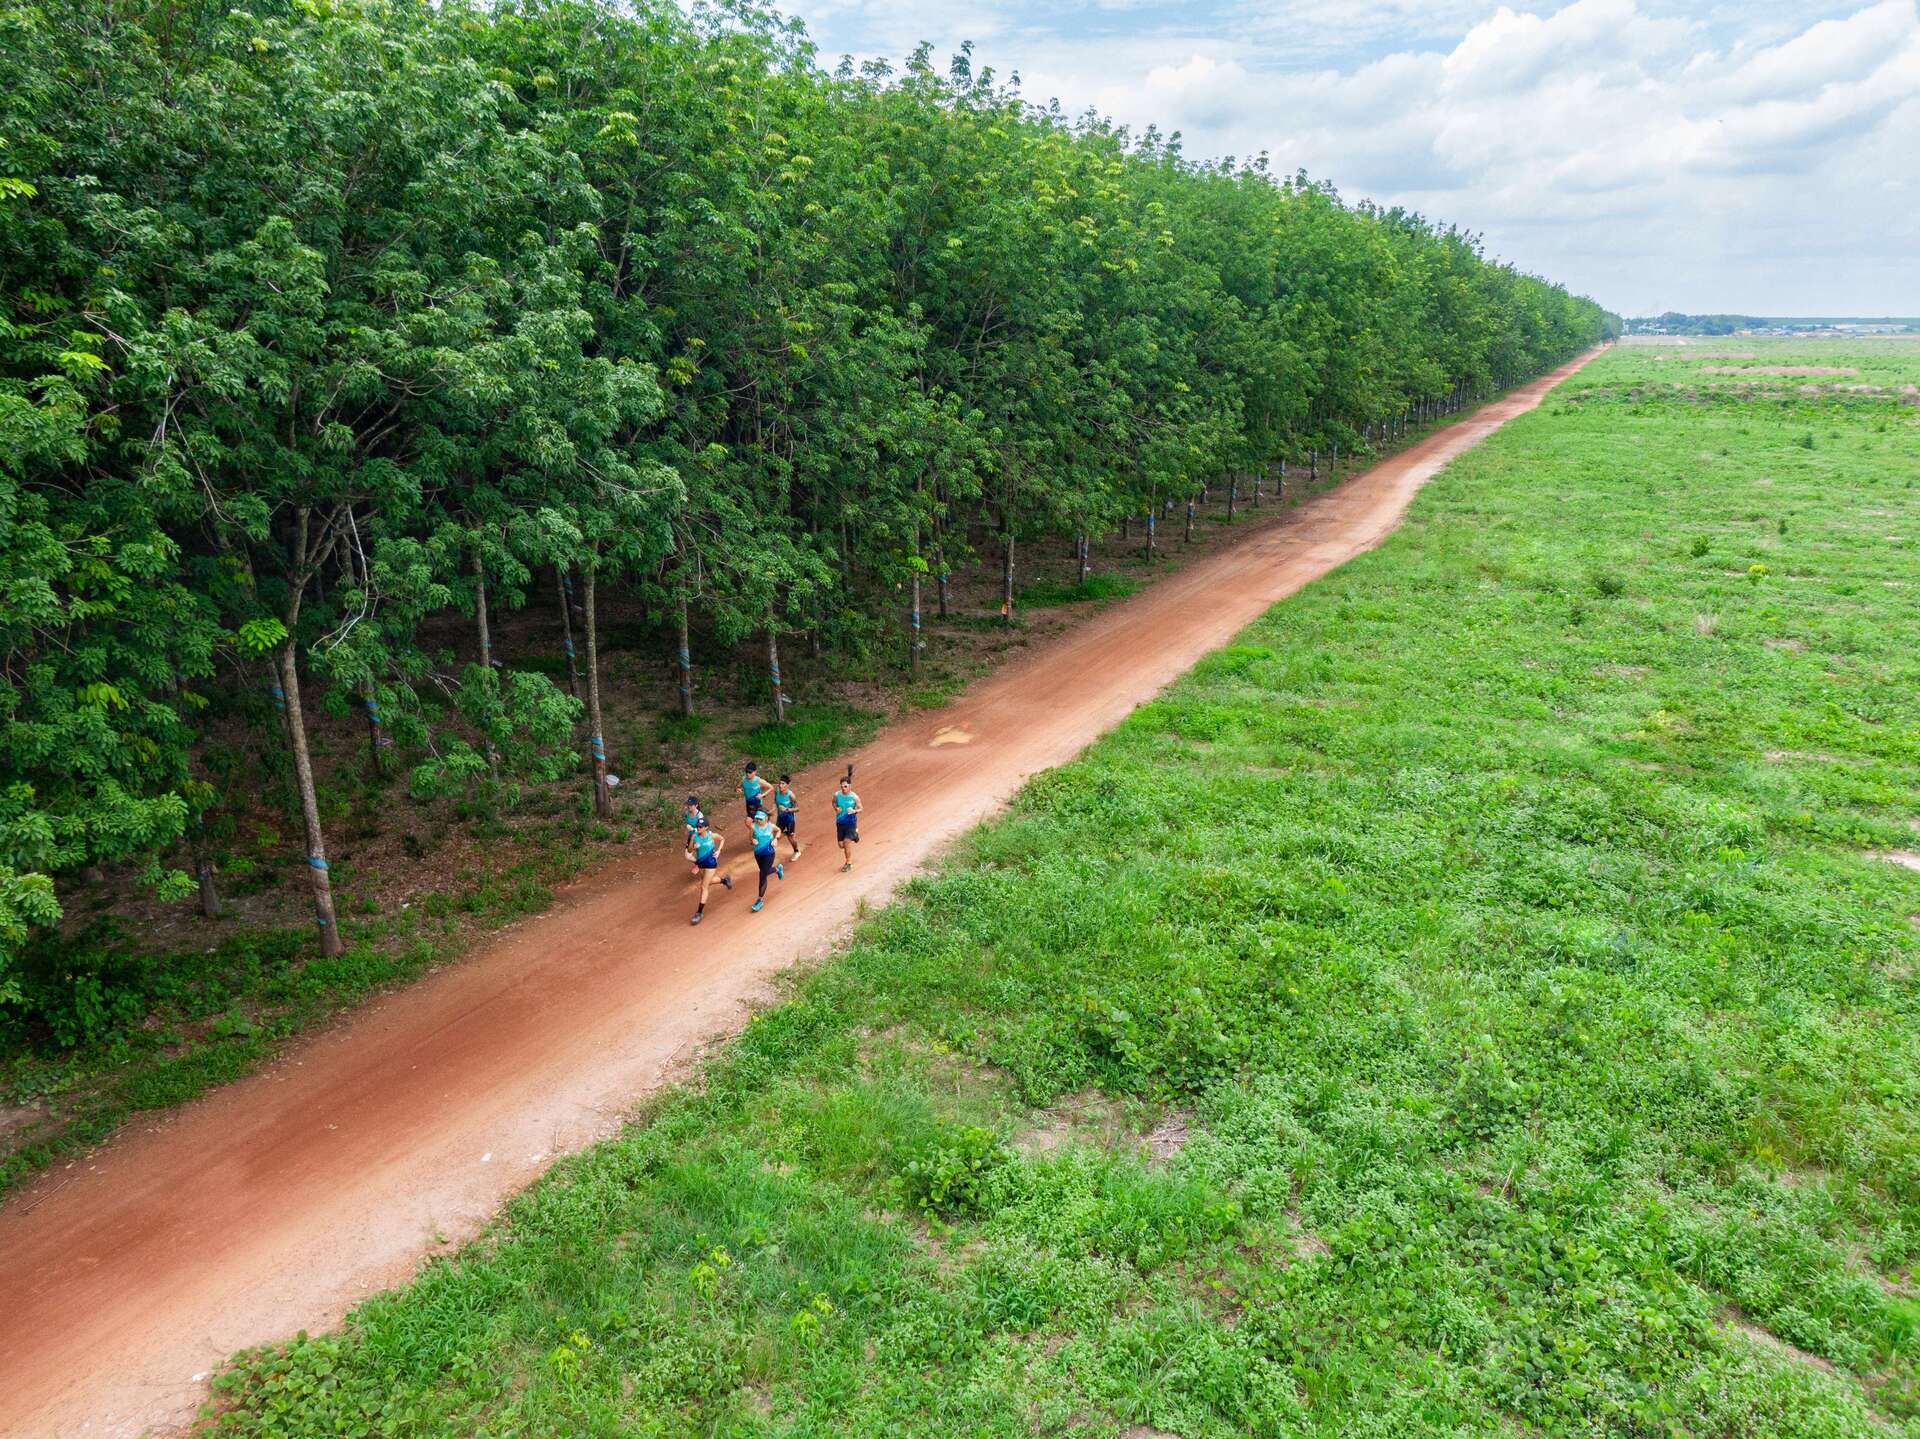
(277,1202)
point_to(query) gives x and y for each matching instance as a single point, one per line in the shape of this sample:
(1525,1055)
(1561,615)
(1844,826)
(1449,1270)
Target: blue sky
(1761,157)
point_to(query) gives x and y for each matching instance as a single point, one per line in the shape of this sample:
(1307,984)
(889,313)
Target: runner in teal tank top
(753,788)
(693,818)
(846,821)
(786,811)
(761,831)
(706,845)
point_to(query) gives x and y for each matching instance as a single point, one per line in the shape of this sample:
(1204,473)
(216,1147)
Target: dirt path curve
(277,1202)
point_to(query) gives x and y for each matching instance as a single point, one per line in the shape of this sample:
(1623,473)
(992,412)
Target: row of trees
(320,318)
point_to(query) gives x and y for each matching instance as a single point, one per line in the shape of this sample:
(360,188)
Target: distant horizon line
(1783,319)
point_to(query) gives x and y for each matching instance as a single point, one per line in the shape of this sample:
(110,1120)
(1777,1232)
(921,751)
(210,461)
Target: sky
(1753,158)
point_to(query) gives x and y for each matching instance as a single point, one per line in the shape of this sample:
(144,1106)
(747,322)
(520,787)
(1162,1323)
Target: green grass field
(1471,1004)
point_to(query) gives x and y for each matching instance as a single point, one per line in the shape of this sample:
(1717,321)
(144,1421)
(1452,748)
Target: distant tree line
(322,318)
(1673,322)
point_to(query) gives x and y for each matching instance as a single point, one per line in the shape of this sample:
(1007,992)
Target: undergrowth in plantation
(1474,1002)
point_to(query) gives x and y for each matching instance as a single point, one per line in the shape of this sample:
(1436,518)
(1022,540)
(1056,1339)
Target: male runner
(753,787)
(786,807)
(846,820)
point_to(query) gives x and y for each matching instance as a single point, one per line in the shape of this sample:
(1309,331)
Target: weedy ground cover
(1471,1003)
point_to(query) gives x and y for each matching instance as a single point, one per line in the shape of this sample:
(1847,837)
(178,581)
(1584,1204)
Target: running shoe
(696,916)
(758,905)
(779,871)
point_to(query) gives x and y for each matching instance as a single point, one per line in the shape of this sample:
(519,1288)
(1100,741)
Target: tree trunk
(562,585)
(1187,538)
(1233,494)
(1153,507)
(913,637)
(197,841)
(376,761)
(685,660)
(940,559)
(1259,473)
(330,942)
(210,907)
(1280,490)
(1126,527)
(1006,581)
(1084,556)
(1313,466)
(480,613)
(773,671)
(596,744)
(486,646)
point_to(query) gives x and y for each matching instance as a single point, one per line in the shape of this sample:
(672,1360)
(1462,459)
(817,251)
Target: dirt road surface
(277,1202)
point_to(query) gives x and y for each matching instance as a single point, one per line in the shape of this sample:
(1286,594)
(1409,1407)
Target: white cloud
(1753,157)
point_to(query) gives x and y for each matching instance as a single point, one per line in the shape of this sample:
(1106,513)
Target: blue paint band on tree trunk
(316,861)
(599,749)
(279,696)
(776,674)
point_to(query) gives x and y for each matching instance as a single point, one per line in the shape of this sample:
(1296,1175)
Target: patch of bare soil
(1111,1124)
(1168,1137)
(1306,1244)
(1908,859)
(1735,1319)
(1087,1116)
(1779,756)
(17,1116)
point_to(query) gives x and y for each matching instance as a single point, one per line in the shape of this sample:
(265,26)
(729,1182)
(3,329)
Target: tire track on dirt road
(277,1202)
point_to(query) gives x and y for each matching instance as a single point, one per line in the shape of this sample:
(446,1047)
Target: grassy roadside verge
(1469,1004)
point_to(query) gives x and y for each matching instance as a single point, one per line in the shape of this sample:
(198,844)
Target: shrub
(953,1174)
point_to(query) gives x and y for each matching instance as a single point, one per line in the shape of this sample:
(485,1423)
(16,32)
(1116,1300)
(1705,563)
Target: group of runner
(705,843)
